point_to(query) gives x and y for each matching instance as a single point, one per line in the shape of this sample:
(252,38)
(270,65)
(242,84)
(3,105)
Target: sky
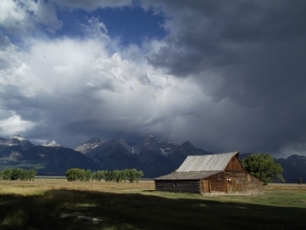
(224,75)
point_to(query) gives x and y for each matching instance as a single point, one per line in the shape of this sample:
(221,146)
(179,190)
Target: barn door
(242,188)
(205,186)
(235,185)
(229,187)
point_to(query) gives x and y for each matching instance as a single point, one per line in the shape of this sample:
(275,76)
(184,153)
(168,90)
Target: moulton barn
(213,173)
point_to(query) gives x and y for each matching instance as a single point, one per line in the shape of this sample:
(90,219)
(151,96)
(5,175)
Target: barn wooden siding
(253,184)
(216,183)
(190,186)
(231,183)
(234,165)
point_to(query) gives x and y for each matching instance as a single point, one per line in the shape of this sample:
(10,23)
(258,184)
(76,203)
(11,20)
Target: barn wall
(217,183)
(231,183)
(190,186)
(253,184)
(237,180)
(243,182)
(234,174)
(234,165)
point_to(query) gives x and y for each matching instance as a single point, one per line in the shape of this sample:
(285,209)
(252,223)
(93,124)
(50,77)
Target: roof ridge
(206,162)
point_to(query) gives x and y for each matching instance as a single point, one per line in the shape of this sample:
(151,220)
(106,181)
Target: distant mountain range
(153,158)
(49,159)
(294,167)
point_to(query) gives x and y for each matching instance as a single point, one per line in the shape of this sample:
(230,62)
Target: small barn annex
(213,173)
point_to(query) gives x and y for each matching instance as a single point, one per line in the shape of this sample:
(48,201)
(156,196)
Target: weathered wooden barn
(213,173)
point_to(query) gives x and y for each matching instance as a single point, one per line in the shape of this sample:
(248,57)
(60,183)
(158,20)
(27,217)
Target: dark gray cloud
(209,34)
(252,53)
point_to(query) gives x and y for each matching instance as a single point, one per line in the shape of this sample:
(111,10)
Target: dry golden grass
(41,185)
(285,187)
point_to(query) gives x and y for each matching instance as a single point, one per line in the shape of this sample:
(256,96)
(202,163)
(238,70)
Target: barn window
(219,176)
(175,185)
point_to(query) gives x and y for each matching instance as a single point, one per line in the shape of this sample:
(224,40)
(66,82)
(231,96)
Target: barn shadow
(73,209)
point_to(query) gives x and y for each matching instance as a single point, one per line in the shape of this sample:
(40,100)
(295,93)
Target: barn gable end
(214,173)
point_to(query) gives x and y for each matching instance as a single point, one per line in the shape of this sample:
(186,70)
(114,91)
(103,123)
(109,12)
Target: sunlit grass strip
(29,187)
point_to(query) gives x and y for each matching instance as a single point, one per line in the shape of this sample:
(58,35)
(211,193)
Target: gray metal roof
(187,175)
(211,162)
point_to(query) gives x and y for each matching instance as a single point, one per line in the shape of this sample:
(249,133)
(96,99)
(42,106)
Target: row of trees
(18,174)
(131,175)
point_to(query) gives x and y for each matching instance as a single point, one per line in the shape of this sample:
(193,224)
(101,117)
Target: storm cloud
(250,54)
(226,76)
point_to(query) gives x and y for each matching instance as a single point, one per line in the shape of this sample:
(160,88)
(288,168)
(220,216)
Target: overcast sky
(225,75)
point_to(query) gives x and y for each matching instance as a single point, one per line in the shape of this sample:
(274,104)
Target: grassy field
(58,204)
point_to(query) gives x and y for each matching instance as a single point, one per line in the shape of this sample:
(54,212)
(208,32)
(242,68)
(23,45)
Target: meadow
(59,204)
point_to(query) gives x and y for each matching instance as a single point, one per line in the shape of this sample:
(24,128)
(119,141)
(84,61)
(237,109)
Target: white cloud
(21,17)
(9,10)
(45,13)
(96,29)
(67,82)
(14,125)
(11,16)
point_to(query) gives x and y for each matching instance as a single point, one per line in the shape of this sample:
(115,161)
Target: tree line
(131,175)
(18,174)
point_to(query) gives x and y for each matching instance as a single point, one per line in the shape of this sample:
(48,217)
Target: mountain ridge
(150,156)
(51,159)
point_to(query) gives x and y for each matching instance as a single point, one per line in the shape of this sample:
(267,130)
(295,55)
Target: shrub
(75,174)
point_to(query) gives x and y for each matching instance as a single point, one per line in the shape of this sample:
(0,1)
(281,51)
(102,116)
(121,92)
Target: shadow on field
(73,209)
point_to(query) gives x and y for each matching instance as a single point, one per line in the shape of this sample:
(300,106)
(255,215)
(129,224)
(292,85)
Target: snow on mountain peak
(18,137)
(89,145)
(52,144)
